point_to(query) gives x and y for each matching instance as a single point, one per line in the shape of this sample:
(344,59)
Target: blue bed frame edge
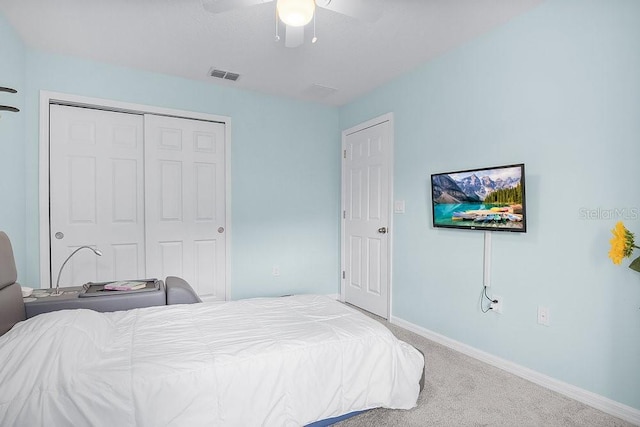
(332,421)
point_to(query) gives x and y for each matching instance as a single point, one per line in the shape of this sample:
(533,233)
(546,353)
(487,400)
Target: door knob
(220,229)
(382,230)
(59,235)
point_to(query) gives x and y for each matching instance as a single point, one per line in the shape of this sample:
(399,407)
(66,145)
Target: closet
(147,190)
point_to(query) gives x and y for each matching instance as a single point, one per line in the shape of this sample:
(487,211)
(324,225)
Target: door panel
(205,270)
(366,201)
(96,194)
(185,196)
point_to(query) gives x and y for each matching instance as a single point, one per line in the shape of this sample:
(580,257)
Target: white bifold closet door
(185,200)
(148,191)
(96,194)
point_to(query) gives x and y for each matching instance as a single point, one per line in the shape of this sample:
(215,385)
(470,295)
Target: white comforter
(259,362)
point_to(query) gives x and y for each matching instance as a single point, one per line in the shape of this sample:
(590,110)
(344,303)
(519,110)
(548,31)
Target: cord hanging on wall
(486,279)
(486,276)
(8,107)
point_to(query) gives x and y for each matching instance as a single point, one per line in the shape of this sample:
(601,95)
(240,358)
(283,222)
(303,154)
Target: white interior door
(366,218)
(185,200)
(96,194)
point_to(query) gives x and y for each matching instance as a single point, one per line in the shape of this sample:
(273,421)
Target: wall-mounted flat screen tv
(490,199)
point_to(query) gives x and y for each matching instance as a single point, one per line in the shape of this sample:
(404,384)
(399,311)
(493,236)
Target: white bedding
(259,362)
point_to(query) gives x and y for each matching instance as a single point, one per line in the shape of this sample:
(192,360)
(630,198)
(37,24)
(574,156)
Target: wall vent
(222,74)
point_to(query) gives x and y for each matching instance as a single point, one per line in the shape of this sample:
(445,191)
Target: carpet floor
(462,391)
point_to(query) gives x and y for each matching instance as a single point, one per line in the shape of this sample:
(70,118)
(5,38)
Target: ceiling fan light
(296,13)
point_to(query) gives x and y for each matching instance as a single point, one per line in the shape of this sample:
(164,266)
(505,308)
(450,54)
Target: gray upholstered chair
(12,308)
(180,292)
(11,304)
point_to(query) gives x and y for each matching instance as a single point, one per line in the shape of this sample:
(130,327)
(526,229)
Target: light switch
(398,207)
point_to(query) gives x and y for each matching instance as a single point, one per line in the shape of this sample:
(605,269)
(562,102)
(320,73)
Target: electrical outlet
(275,271)
(496,307)
(543,315)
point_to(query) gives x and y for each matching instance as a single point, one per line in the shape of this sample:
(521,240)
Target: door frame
(388,117)
(47,98)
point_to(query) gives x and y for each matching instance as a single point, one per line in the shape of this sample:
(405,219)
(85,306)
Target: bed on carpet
(286,361)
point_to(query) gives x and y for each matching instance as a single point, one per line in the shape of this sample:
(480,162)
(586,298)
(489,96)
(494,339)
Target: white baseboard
(334,296)
(594,400)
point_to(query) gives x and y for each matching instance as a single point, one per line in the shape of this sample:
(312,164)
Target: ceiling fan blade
(364,10)
(293,36)
(219,6)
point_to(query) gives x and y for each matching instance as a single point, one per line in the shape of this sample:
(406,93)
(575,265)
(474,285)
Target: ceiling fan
(295,14)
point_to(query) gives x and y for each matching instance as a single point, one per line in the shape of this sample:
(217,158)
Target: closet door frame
(47,98)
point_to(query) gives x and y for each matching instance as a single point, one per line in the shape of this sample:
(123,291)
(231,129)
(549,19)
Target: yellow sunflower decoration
(622,246)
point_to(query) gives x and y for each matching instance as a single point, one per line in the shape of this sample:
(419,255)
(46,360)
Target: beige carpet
(462,391)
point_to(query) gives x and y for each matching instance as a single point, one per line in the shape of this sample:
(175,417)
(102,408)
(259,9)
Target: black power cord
(493,301)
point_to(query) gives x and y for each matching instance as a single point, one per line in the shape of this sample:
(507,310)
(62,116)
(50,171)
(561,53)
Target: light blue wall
(12,158)
(558,89)
(285,167)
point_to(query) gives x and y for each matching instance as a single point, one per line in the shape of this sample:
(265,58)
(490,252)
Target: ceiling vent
(317,91)
(226,75)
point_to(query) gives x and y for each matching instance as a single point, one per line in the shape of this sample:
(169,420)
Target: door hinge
(344,214)
(344,275)
(344,154)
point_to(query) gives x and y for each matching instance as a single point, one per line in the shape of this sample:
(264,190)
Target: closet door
(96,194)
(185,202)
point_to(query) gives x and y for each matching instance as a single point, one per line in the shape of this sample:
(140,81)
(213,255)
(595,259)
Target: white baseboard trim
(594,400)
(334,296)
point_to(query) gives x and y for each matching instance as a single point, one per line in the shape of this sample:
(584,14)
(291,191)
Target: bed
(260,362)
(287,361)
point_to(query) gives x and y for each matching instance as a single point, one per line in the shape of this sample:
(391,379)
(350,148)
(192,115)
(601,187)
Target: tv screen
(490,199)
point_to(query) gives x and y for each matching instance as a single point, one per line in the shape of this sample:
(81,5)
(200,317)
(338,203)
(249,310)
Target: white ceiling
(180,38)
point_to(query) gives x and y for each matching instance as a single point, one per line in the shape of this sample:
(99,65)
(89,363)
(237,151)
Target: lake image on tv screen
(488,198)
